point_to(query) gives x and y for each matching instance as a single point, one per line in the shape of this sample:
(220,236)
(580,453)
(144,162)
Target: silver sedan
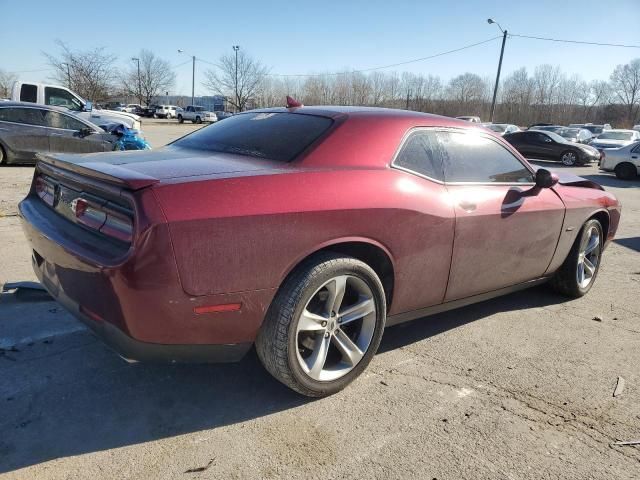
(624,161)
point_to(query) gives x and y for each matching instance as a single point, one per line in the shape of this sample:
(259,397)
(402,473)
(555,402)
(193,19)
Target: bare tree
(156,76)
(90,73)
(7,79)
(625,82)
(240,83)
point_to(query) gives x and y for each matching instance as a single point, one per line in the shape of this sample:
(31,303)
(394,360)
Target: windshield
(556,138)
(593,129)
(549,128)
(497,128)
(273,136)
(615,136)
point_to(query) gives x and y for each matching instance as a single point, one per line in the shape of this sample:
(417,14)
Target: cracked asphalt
(519,387)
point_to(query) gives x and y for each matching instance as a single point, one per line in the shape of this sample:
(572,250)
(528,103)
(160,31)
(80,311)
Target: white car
(167,111)
(132,108)
(625,161)
(636,127)
(197,115)
(501,128)
(615,139)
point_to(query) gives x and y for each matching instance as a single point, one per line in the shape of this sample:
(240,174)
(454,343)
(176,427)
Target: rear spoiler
(105,172)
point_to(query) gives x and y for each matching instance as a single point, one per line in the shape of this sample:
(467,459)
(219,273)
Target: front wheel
(324,325)
(3,156)
(625,171)
(578,272)
(180,119)
(569,158)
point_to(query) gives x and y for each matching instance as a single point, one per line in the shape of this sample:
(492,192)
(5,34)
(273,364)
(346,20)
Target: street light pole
(495,88)
(139,84)
(236,48)
(68,75)
(193,76)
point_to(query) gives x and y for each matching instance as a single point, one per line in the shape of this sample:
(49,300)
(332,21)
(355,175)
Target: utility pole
(139,83)
(235,49)
(68,75)
(193,76)
(495,88)
(408,95)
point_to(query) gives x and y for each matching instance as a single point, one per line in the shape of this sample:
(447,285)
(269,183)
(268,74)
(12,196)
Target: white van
(167,111)
(56,95)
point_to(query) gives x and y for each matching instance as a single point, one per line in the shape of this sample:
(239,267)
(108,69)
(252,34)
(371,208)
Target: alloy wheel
(588,257)
(335,328)
(569,158)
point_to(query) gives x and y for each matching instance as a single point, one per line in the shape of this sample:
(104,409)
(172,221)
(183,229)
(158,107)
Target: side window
(29,93)
(470,157)
(635,149)
(542,138)
(27,116)
(61,98)
(7,114)
(420,154)
(59,120)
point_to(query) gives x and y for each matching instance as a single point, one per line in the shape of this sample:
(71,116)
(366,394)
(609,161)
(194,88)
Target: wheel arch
(369,251)
(603,217)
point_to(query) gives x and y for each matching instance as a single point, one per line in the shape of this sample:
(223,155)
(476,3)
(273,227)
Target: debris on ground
(619,387)
(597,318)
(200,469)
(627,443)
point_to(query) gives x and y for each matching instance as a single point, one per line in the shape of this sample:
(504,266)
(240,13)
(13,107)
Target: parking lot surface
(516,387)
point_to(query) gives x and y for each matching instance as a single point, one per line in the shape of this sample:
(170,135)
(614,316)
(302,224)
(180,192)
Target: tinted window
(59,120)
(470,157)
(420,154)
(28,116)
(274,136)
(29,93)
(61,98)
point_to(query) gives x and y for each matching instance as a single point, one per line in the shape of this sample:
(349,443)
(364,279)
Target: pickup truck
(58,96)
(197,115)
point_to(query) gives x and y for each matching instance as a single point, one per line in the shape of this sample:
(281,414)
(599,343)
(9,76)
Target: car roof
(36,105)
(620,130)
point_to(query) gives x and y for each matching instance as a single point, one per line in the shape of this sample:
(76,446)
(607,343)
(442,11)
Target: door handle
(467,205)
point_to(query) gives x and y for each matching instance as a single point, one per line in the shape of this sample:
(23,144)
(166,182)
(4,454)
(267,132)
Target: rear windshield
(273,136)
(615,136)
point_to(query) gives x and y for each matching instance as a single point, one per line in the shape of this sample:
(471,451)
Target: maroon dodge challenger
(304,231)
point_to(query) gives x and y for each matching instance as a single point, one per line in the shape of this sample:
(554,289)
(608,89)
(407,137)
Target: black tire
(3,156)
(198,120)
(565,280)
(180,119)
(277,342)
(625,171)
(570,158)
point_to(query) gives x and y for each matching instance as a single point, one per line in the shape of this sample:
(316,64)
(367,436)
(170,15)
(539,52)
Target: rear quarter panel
(248,233)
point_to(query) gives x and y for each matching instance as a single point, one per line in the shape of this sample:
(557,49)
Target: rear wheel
(198,120)
(3,156)
(569,158)
(625,171)
(180,119)
(578,272)
(324,325)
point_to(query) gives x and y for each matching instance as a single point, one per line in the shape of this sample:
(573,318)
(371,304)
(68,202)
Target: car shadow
(632,242)
(73,396)
(610,180)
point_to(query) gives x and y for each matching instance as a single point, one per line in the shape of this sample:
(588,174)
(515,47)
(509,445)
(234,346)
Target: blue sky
(322,36)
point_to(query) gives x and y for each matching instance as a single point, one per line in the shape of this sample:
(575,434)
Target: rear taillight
(106,219)
(45,190)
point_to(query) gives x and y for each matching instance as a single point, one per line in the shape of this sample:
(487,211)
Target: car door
(23,131)
(543,146)
(522,142)
(506,230)
(69,135)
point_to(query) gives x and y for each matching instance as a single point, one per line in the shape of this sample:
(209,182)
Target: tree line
(545,94)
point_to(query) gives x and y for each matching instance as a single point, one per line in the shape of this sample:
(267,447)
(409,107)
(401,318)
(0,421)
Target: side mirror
(545,179)
(88,106)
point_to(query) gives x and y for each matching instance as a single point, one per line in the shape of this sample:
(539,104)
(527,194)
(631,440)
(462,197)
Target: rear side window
(27,116)
(420,154)
(470,157)
(29,93)
(273,136)
(58,120)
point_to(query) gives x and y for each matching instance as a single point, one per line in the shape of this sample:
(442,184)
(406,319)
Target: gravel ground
(516,387)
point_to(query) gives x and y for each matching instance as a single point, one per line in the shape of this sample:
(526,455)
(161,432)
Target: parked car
(636,127)
(537,125)
(615,139)
(624,161)
(149,111)
(133,108)
(115,106)
(222,115)
(470,119)
(501,128)
(58,96)
(543,145)
(197,115)
(27,130)
(547,128)
(594,129)
(577,135)
(167,111)
(200,249)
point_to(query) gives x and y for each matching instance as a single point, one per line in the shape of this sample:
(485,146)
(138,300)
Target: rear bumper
(137,305)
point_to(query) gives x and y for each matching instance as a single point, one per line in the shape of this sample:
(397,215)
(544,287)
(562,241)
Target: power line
(574,41)
(385,66)
(33,71)
(181,64)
